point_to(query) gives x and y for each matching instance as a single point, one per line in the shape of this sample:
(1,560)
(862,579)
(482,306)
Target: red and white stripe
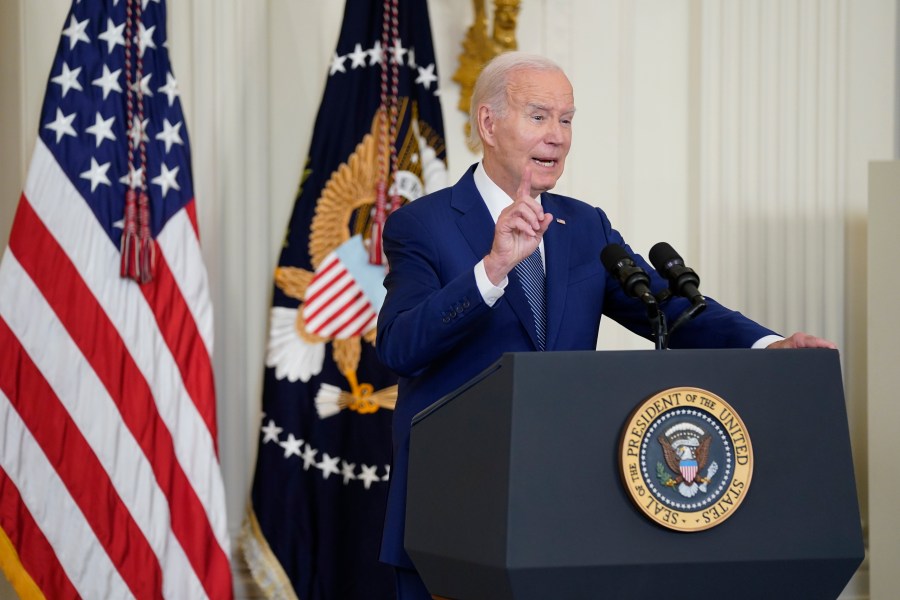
(688,471)
(335,306)
(107,405)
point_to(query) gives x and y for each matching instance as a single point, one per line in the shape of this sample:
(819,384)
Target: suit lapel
(557,250)
(477,227)
(474,220)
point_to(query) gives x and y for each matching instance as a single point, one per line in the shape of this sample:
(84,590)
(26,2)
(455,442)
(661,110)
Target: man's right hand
(519,230)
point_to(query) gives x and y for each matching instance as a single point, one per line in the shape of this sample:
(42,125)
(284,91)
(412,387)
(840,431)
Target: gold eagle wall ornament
(343,212)
(478,48)
(349,189)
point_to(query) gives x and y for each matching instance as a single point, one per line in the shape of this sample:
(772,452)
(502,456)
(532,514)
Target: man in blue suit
(455,300)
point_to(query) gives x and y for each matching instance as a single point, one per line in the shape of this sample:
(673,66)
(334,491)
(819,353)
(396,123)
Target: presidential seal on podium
(686,459)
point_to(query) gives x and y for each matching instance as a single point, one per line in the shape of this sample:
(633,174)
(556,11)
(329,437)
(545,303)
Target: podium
(515,488)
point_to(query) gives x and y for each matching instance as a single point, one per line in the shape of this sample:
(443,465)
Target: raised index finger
(524,191)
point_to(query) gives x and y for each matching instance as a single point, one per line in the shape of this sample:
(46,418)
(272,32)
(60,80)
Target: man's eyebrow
(531,106)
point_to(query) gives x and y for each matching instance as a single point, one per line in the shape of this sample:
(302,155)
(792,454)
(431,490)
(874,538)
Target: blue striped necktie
(531,273)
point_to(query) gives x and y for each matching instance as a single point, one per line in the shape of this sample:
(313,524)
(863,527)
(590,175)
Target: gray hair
(490,88)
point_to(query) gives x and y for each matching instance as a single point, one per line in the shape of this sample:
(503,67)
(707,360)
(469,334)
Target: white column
(884,378)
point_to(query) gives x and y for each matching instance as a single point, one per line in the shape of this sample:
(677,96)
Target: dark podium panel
(515,492)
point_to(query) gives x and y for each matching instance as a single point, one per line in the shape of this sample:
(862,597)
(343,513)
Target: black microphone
(633,279)
(683,281)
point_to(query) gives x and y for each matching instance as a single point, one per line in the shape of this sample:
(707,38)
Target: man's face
(535,131)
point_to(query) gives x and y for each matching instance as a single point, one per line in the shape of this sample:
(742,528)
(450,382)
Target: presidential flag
(110,485)
(314,524)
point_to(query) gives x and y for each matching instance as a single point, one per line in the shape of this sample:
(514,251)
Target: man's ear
(486,125)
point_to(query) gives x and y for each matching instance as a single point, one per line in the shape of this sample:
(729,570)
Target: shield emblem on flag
(345,294)
(688,469)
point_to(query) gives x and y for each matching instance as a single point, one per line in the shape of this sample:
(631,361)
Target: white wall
(737,131)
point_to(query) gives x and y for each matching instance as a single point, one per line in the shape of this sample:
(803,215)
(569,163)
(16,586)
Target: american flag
(110,485)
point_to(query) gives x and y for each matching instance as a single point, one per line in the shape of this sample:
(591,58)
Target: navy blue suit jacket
(436,331)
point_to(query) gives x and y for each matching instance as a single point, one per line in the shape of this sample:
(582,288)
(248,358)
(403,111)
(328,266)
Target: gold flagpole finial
(478,48)
(506,14)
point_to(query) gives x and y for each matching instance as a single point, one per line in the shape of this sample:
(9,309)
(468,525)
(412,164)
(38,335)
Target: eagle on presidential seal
(340,298)
(686,450)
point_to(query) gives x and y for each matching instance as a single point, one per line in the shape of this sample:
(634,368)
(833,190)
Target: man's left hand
(803,340)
